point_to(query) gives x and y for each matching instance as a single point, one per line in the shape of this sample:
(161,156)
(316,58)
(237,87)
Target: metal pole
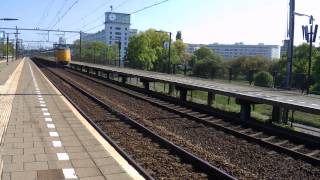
(80,48)
(94,55)
(16,43)
(7,48)
(106,60)
(169,63)
(291,43)
(119,52)
(310,54)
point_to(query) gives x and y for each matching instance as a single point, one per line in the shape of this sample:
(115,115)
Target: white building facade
(117,31)
(232,51)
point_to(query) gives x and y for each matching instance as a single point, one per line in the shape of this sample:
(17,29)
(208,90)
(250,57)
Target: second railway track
(160,158)
(236,156)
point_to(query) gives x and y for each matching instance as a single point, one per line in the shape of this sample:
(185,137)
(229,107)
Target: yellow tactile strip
(121,161)
(7,91)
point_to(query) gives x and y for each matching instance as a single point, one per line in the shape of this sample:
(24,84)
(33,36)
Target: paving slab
(6,70)
(44,137)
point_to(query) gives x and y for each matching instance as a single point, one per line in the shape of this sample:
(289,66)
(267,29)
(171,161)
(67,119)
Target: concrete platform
(274,97)
(44,137)
(6,70)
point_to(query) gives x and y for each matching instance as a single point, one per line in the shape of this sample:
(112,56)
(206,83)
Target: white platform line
(69,173)
(51,126)
(63,156)
(56,143)
(54,134)
(48,119)
(46,113)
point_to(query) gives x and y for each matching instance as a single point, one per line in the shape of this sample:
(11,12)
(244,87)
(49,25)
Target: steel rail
(197,162)
(132,162)
(278,148)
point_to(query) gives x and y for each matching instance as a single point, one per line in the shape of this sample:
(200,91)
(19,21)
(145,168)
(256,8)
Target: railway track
(274,143)
(154,156)
(309,153)
(236,156)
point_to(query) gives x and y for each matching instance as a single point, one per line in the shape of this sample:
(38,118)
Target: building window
(118,33)
(126,28)
(110,27)
(125,33)
(110,42)
(118,28)
(110,37)
(110,32)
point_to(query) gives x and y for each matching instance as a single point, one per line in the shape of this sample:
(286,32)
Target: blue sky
(201,21)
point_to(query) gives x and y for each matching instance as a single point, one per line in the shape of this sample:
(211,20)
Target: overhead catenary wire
(85,31)
(148,7)
(45,12)
(58,13)
(134,12)
(91,12)
(65,13)
(120,4)
(92,22)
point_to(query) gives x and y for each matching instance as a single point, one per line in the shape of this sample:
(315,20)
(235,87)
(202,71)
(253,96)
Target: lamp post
(7,48)
(168,47)
(309,34)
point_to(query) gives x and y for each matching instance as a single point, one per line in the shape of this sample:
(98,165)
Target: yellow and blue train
(60,54)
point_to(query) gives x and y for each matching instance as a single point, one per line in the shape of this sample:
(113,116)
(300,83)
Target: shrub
(263,79)
(315,89)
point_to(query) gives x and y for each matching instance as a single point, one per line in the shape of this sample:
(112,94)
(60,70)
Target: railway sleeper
(200,115)
(246,112)
(256,134)
(245,130)
(314,152)
(268,138)
(297,147)
(207,118)
(281,142)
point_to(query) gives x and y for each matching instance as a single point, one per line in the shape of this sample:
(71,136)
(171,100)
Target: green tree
(140,54)
(207,63)
(300,66)
(179,49)
(263,79)
(204,53)
(96,52)
(316,72)
(146,51)
(179,36)
(3,49)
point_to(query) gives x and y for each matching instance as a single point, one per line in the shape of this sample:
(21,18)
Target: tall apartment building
(117,31)
(232,51)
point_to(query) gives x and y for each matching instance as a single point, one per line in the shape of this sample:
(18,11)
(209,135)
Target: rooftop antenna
(111,7)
